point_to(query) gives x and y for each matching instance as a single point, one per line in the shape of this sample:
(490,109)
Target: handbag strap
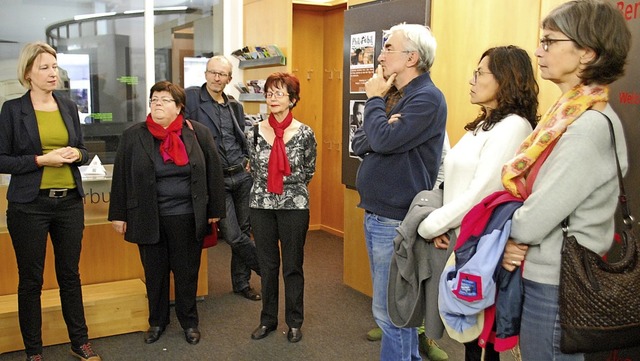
(627,218)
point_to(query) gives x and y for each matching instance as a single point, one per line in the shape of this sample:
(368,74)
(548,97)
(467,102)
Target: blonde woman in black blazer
(167,188)
(41,147)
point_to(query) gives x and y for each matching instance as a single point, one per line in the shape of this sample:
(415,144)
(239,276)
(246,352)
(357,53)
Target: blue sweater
(400,159)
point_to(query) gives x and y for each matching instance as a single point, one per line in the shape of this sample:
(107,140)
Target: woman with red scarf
(167,189)
(283,161)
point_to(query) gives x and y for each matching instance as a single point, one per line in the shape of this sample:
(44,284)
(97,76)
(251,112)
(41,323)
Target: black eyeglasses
(477,73)
(545,42)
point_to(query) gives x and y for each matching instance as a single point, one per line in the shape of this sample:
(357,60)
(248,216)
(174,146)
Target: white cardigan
(472,171)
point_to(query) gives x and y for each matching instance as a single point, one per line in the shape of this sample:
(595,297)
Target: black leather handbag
(600,301)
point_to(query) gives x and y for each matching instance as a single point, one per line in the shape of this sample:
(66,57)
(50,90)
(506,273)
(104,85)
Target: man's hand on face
(378,85)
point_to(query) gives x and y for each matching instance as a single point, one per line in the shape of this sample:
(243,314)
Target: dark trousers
(28,225)
(179,252)
(289,227)
(473,352)
(236,230)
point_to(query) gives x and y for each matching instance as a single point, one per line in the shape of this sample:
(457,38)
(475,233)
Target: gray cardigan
(578,179)
(415,270)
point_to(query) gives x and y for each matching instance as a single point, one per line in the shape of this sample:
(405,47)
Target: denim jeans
(28,225)
(398,344)
(236,230)
(540,327)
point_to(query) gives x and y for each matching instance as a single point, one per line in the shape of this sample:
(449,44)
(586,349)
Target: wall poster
(361,60)
(356,114)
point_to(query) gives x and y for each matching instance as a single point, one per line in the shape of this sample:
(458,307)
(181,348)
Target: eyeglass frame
(385,51)
(218,74)
(164,101)
(275,95)
(545,42)
(477,73)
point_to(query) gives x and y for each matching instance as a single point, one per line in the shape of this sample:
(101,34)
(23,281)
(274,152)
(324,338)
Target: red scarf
(278,161)
(171,148)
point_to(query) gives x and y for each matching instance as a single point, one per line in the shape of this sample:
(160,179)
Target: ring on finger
(514,263)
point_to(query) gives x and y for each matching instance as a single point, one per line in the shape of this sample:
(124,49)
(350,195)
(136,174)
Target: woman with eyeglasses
(505,88)
(583,48)
(283,161)
(167,190)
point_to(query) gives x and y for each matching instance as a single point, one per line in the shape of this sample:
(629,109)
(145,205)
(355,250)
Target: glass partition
(102,55)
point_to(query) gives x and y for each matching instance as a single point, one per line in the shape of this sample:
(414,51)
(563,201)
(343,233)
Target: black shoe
(294,335)
(262,332)
(153,334)
(192,335)
(250,294)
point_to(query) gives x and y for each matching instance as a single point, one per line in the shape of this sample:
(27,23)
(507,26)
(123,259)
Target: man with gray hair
(224,117)
(400,143)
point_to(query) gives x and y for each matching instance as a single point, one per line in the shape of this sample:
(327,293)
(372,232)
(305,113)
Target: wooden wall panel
(307,64)
(464,30)
(267,22)
(332,187)
(357,273)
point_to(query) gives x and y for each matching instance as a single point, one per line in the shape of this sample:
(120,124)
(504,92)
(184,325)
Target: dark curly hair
(517,88)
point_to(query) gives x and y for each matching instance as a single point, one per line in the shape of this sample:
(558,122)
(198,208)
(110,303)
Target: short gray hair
(418,38)
(222,59)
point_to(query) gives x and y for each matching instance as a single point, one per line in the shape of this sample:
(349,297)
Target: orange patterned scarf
(552,125)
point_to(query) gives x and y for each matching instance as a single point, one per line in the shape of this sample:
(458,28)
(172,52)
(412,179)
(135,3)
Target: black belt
(235,169)
(56,192)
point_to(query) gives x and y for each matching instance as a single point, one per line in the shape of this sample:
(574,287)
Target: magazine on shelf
(257,52)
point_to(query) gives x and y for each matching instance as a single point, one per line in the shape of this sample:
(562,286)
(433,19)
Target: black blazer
(200,108)
(20,143)
(133,187)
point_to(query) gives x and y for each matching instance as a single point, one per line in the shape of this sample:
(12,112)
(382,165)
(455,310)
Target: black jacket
(20,143)
(133,188)
(200,108)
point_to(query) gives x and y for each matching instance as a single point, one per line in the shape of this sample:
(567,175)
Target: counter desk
(110,271)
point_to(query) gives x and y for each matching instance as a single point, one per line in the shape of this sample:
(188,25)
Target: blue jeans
(397,343)
(540,327)
(236,230)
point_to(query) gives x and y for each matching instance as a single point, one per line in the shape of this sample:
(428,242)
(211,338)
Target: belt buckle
(57,193)
(233,169)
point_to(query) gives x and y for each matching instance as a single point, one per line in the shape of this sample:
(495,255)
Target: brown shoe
(250,294)
(85,353)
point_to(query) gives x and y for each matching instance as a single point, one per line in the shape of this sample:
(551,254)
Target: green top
(54,135)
